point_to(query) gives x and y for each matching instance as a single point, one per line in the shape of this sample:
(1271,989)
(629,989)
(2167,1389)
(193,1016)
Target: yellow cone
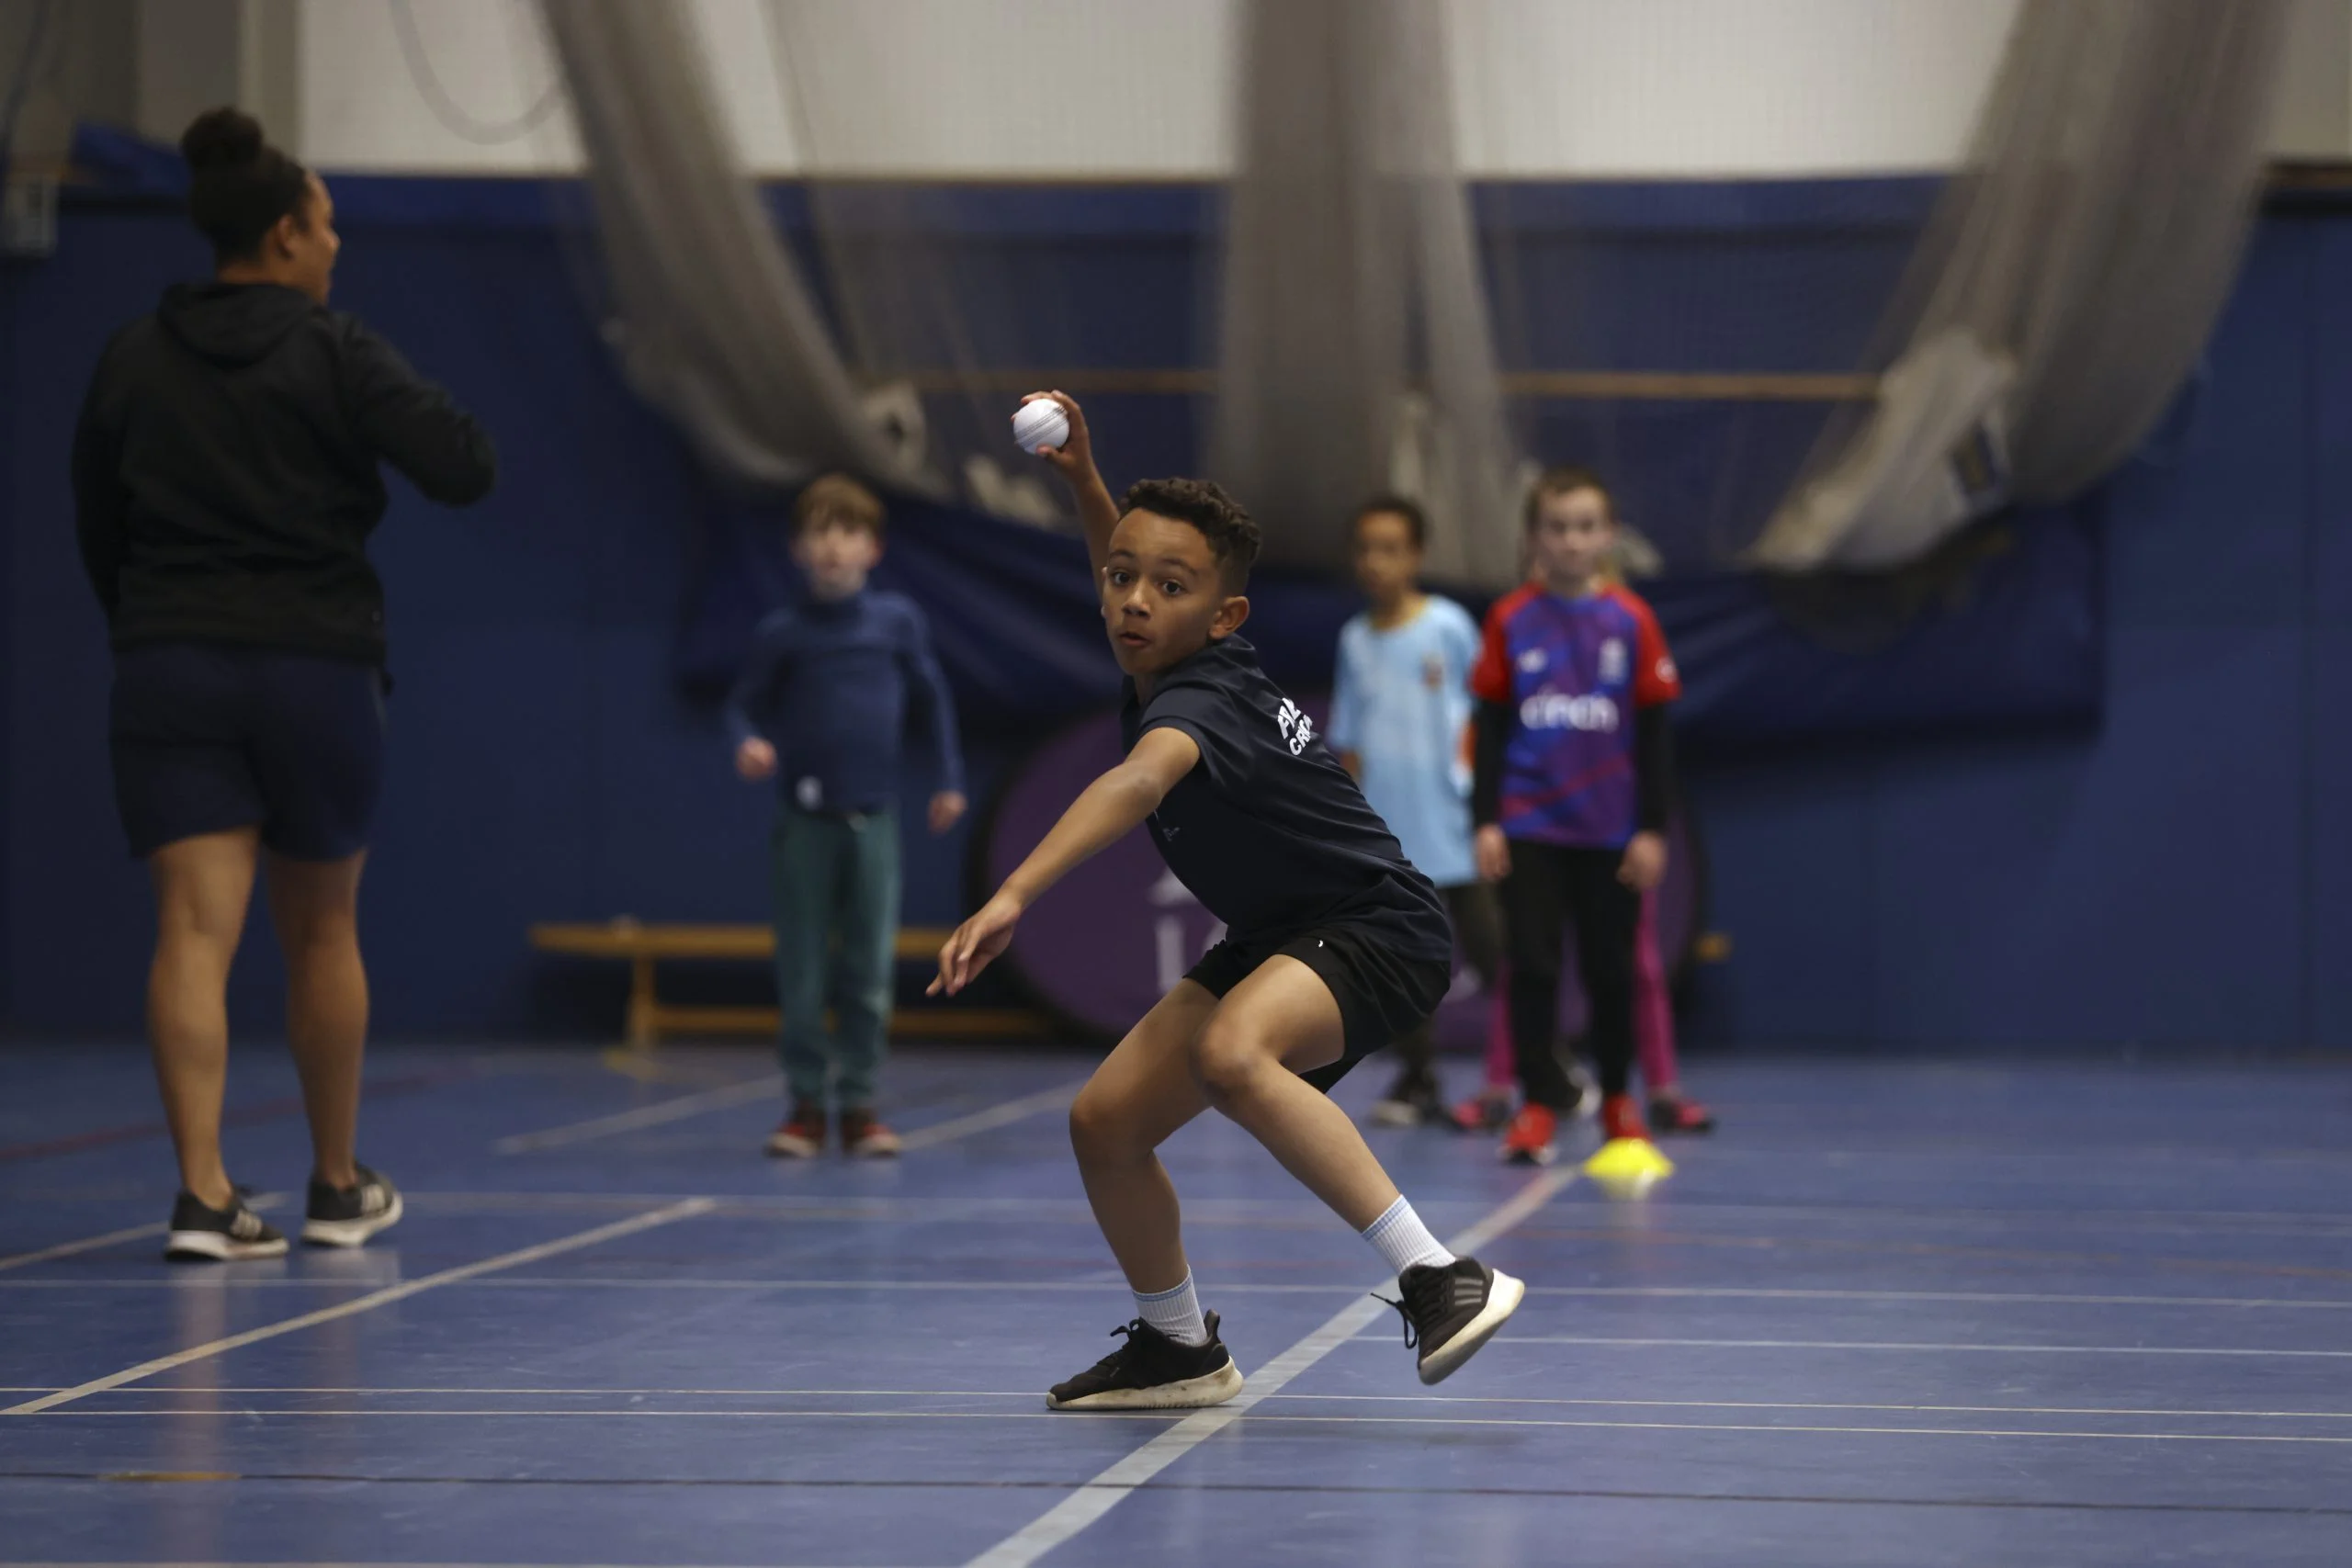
(1628,1166)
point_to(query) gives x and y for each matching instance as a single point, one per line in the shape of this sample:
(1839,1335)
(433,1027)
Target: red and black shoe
(800,1136)
(1528,1140)
(864,1138)
(1672,1113)
(1620,1117)
(1487,1111)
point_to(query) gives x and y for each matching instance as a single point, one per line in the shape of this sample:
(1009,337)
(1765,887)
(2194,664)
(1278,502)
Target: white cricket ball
(1040,424)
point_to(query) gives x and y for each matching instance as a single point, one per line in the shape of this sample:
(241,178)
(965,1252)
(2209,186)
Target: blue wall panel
(2326,720)
(2180,877)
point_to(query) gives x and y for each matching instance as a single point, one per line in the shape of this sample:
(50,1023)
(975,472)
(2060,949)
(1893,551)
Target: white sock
(1175,1312)
(1403,1241)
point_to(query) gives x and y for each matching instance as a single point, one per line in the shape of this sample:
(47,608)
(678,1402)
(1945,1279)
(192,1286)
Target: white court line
(1994,1298)
(1031,1393)
(720,1209)
(653,1115)
(258,1203)
(1102,1494)
(1842,1431)
(1906,1345)
(744,1093)
(368,1302)
(995,1116)
(88,1243)
(1260,1418)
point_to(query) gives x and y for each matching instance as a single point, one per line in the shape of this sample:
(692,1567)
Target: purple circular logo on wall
(1117,933)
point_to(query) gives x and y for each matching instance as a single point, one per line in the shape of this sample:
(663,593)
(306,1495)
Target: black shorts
(1385,987)
(209,736)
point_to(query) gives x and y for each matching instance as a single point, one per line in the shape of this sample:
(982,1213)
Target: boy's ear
(1229,616)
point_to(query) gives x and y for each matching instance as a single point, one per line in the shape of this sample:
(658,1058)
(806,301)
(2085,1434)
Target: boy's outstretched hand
(975,944)
(1644,864)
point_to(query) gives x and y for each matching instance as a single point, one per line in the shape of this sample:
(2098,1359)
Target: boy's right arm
(754,689)
(1106,811)
(1074,460)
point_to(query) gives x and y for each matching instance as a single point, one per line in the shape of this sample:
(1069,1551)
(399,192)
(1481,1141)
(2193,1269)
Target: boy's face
(1387,561)
(835,557)
(1573,535)
(1163,596)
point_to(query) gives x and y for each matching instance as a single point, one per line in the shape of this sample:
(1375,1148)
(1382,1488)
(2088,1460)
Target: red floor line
(235,1116)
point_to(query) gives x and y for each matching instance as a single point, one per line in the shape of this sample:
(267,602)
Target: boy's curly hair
(1232,532)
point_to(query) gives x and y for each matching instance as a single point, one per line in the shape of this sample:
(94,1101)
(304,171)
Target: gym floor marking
(673,1212)
(1105,1491)
(769,1086)
(1902,1345)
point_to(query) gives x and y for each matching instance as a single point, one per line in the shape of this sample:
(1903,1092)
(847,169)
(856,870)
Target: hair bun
(221,138)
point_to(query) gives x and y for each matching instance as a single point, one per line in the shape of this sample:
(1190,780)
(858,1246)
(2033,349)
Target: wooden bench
(651,1019)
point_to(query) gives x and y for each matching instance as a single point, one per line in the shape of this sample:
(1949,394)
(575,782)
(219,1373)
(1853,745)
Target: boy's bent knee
(1099,1133)
(1225,1058)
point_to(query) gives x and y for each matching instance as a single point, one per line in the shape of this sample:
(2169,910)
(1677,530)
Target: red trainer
(1620,1117)
(1528,1140)
(800,1136)
(1485,1112)
(1672,1113)
(865,1138)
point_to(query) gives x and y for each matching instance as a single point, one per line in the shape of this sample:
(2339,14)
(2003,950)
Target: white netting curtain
(1354,353)
(2066,283)
(713,321)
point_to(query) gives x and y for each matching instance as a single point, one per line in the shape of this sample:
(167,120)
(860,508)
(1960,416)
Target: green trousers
(836,937)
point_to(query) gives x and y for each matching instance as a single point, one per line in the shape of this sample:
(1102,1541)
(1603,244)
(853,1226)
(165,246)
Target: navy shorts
(1384,987)
(209,736)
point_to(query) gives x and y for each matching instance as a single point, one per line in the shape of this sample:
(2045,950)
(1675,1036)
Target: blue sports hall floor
(1889,1314)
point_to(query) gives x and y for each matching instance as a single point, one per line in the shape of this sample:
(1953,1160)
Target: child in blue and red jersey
(1574,787)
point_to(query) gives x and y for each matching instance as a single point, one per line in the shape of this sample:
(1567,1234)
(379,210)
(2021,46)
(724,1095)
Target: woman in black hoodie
(226,478)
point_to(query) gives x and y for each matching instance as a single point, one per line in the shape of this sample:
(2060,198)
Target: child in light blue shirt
(1400,708)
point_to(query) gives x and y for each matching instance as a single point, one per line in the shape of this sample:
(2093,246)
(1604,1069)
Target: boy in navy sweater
(821,707)
(1336,945)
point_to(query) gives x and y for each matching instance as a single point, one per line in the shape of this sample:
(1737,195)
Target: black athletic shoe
(219,1235)
(347,1216)
(1411,1100)
(1151,1371)
(1449,1311)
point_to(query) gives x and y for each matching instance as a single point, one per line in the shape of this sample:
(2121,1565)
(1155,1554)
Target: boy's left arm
(1657,684)
(947,802)
(1106,811)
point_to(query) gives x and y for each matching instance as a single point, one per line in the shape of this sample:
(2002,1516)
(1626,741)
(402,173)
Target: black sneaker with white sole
(1451,1310)
(1151,1371)
(201,1233)
(347,1216)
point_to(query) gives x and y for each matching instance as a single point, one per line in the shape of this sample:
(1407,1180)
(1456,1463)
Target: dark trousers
(1479,935)
(1550,886)
(836,941)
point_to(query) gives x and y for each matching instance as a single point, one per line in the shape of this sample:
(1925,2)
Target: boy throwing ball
(1335,944)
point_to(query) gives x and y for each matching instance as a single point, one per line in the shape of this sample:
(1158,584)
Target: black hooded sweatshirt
(225,473)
